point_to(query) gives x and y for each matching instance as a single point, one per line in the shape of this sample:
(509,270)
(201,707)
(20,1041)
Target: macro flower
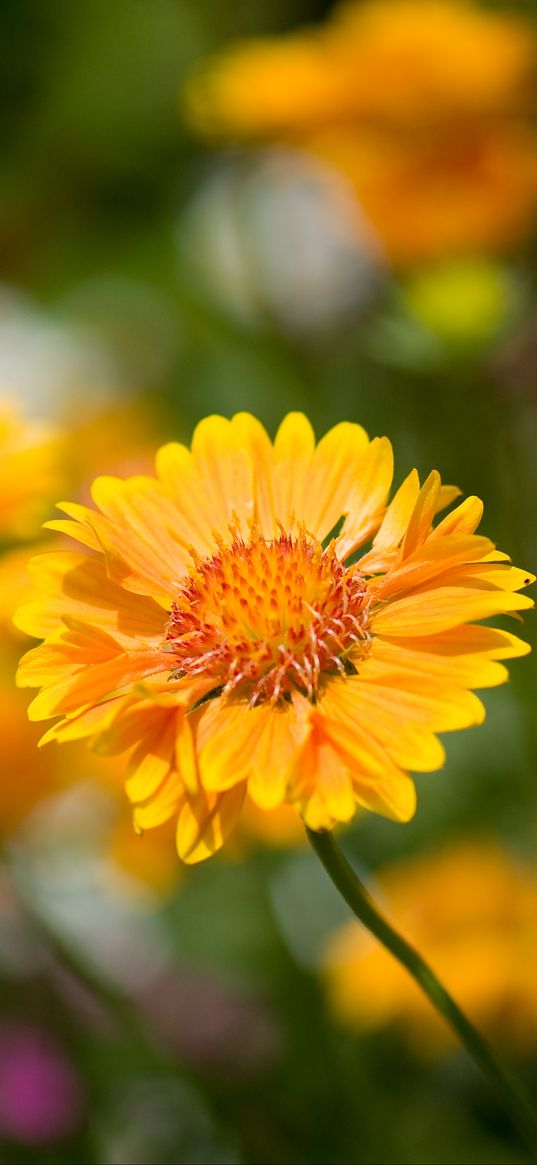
(426,109)
(258,618)
(470,909)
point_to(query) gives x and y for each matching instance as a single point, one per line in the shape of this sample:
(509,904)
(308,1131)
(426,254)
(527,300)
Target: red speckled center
(262,617)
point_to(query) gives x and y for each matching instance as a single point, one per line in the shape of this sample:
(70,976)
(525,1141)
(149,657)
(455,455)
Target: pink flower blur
(41,1098)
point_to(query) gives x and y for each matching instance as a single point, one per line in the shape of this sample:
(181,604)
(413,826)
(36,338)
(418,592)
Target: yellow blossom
(230,629)
(471,911)
(465,302)
(426,108)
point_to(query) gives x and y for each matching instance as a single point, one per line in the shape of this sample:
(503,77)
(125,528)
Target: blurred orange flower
(472,911)
(228,628)
(425,107)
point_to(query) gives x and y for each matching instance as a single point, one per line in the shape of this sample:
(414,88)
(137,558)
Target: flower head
(425,109)
(227,625)
(265,617)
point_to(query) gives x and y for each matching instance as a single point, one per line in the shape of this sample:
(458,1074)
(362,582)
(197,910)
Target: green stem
(362,905)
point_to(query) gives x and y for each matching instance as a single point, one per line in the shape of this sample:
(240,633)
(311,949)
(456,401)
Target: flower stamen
(265,616)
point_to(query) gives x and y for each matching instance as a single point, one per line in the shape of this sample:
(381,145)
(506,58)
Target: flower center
(265,616)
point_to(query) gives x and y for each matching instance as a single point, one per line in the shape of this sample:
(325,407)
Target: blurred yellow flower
(16,587)
(30,473)
(471,911)
(120,439)
(424,107)
(228,628)
(465,302)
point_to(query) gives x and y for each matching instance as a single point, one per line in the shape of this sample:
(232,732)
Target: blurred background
(265,206)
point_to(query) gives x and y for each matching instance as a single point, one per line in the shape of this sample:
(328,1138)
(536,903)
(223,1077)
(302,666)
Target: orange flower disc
(264,616)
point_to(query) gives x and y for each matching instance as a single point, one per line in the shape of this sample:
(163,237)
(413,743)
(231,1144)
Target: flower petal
(89,724)
(376,782)
(154,756)
(463,520)
(427,657)
(254,744)
(162,806)
(439,609)
(423,514)
(321,785)
(335,469)
(139,534)
(412,697)
(429,560)
(368,497)
(205,822)
(293,453)
(256,442)
(393,526)
(77,585)
(409,743)
(81,667)
(225,470)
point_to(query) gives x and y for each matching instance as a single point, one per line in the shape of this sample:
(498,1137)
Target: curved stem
(362,905)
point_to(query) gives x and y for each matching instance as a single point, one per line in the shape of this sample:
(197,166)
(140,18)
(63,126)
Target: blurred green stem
(362,905)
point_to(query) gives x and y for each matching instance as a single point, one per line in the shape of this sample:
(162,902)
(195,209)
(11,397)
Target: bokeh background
(343,221)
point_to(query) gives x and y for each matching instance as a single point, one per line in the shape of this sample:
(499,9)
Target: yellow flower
(424,107)
(464,302)
(471,911)
(229,627)
(29,473)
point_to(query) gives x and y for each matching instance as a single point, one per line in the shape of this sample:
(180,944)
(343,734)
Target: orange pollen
(264,617)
